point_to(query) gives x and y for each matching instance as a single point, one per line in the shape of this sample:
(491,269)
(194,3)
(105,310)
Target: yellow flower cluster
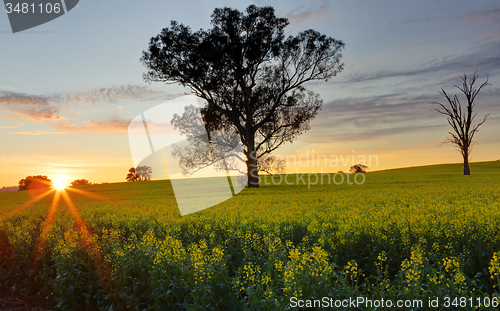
(351,271)
(451,265)
(306,269)
(494,267)
(412,269)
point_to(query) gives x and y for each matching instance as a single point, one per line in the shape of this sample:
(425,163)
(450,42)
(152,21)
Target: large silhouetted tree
(461,119)
(251,76)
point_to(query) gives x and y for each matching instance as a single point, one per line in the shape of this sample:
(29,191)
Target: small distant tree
(132,175)
(358,168)
(35,182)
(271,165)
(142,173)
(462,120)
(80,182)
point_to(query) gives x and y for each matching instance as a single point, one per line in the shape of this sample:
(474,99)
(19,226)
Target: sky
(69,88)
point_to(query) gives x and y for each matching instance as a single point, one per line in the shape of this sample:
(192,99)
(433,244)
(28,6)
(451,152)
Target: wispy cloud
(112,125)
(297,17)
(34,106)
(375,117)
(488,16)
(9,126)
(489,19)
(376,111)
(485,58)
(110,95)
(45,107)
(484,17)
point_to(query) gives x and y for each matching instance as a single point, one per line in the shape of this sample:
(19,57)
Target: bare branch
(461,119)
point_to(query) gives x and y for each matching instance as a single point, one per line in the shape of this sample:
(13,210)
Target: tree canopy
(141,173)
(35,182)
(358,168)
(80,182)
(250,75)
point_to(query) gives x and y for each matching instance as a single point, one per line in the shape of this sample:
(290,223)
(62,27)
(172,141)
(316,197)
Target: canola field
(413,234)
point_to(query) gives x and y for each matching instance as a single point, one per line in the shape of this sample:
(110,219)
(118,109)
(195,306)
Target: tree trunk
(466,165)
(252,170)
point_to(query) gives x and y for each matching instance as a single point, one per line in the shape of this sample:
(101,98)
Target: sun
(59,184)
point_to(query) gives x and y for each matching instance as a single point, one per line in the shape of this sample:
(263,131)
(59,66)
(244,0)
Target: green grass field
(409,233)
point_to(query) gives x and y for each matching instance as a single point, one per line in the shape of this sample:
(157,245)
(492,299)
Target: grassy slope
(147,196)
(435,207)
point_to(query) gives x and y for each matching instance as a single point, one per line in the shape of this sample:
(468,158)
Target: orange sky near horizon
(68,92)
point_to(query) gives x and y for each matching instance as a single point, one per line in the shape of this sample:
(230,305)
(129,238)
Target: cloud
(34,106)
(483,17)
(489,16)
(376,111)
(296,17)
(110,95)
(485,58)
(9,126)
(37,133)
(45,107)
(375,117)
(112,125)
(368,136)
(490,19)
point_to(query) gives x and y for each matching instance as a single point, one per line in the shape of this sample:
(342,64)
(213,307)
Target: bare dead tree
(461,119)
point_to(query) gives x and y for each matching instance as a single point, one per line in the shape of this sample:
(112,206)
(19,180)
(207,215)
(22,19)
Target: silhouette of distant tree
(461,119)
(8,189)
(35,182)
(80,182)
(142,173)
(358,168)
(132,175)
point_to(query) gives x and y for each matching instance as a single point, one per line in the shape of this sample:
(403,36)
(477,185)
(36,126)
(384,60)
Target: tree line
(43,182)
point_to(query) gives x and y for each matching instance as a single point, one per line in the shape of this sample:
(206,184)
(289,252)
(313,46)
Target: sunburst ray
(22,207)
(46,229)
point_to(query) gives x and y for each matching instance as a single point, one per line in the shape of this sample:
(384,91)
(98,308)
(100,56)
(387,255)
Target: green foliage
(415,233)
